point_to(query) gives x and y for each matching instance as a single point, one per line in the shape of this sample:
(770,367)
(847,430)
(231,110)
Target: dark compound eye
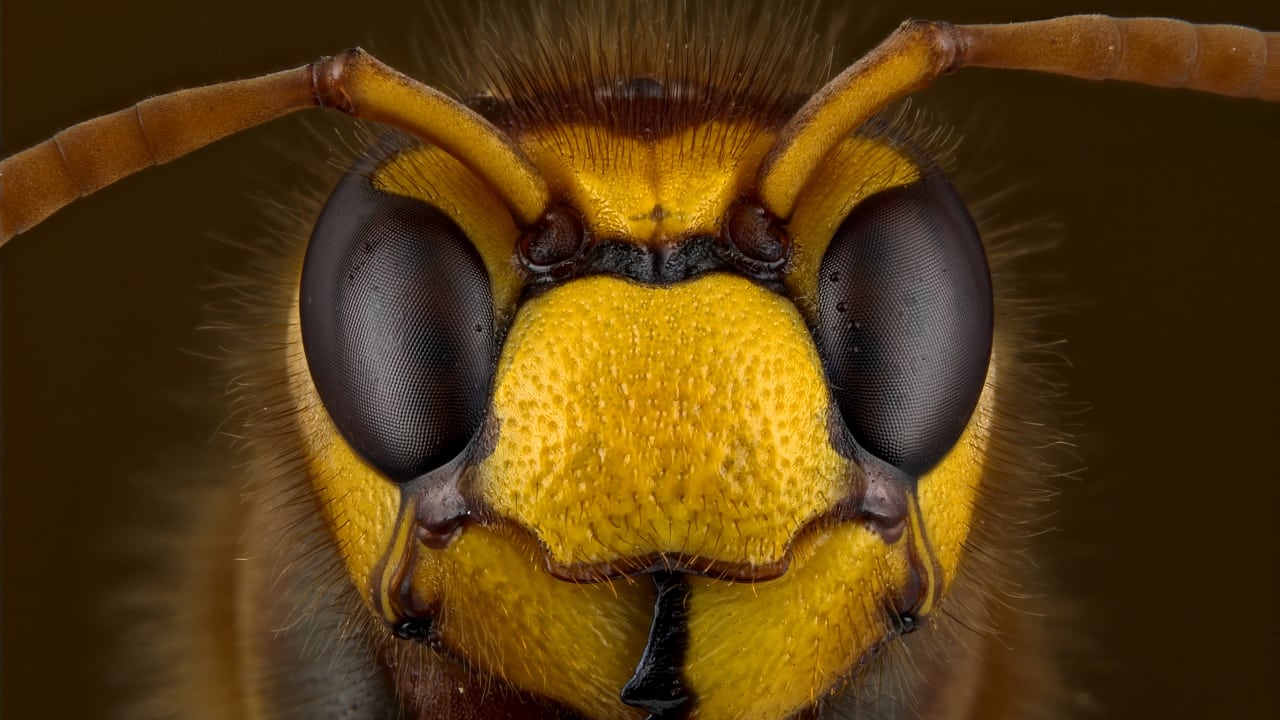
(397,325)
(905,321)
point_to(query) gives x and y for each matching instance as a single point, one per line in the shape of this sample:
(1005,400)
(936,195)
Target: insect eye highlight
(397,325)
(904,321)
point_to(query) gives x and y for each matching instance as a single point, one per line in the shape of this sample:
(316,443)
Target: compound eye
(397,326)
(905,322)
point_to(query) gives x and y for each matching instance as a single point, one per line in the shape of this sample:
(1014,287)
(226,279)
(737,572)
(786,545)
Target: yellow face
(557,604)
(645,431)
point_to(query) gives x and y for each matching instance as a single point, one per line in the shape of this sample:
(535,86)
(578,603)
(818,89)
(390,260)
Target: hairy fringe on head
(540,63)
(640,68)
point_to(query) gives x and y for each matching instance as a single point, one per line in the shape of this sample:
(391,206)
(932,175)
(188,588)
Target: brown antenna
(87,157)
(1223,59)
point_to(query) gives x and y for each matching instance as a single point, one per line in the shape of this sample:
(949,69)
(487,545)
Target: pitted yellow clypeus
(688,420)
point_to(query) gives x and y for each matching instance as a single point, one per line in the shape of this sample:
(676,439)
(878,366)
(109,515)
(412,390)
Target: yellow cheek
(359,506)
(499,611)
(948,493)
(793,639)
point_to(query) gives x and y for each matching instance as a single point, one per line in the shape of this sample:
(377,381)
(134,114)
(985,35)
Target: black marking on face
(657,685)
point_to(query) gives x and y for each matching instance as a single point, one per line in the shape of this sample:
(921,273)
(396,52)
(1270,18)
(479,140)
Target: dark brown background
(1169,208)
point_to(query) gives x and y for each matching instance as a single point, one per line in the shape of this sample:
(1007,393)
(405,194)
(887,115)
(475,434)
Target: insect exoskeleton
(652,377)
